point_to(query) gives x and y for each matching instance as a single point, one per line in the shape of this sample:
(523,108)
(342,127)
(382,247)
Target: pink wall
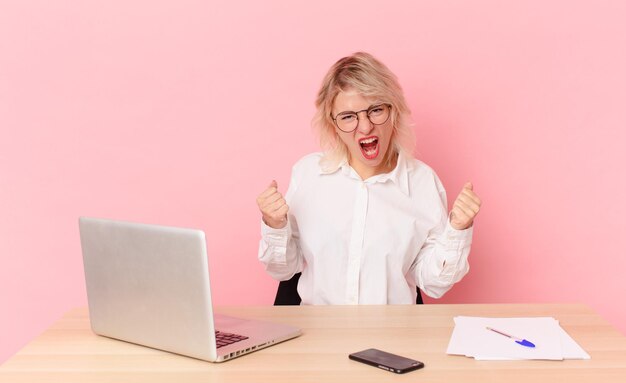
(181,112)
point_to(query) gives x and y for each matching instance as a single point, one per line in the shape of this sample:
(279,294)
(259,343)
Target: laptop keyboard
(225,338)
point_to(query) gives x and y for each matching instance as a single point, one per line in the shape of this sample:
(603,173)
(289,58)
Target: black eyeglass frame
(368,110)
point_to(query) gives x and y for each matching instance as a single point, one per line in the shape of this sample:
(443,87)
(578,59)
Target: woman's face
(368,143)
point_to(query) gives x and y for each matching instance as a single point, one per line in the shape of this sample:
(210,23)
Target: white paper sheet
(471,338)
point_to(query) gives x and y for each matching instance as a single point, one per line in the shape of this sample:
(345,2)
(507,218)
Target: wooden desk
(69,352)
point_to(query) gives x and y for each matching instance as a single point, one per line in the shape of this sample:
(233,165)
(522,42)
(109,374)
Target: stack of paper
(472,338)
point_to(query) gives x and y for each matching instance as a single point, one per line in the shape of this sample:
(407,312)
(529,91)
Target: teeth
(369,140)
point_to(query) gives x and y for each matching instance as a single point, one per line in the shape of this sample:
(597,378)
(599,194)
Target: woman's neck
(366,172)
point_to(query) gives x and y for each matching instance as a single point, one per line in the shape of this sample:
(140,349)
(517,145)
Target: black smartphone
(386,361)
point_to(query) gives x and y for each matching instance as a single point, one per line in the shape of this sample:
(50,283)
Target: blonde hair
(365,74)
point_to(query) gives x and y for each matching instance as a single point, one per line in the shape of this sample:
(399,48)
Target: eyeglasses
(348,121)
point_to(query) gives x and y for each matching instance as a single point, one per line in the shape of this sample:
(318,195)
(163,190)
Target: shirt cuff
(457,239)
(455,244)
(277,240)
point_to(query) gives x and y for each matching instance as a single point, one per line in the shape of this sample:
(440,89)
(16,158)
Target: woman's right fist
(273,207)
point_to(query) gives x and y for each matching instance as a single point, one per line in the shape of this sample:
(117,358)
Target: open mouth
(369,147)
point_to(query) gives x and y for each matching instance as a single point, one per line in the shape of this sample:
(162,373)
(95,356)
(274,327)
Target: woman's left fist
(465,208)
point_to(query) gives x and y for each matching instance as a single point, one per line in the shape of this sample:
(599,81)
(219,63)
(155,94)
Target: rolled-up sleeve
(279,252)
(279,249)
(443,260)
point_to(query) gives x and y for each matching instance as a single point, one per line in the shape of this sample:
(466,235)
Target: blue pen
(517,340)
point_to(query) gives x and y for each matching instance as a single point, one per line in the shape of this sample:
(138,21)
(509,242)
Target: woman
(364,221)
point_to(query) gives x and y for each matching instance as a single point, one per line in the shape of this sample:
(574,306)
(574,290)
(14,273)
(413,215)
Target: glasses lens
(378,114)
(347,121)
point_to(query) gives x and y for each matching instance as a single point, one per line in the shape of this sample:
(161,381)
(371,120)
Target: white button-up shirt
(366,242)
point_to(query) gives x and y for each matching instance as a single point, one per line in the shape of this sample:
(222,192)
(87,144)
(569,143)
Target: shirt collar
(399,175)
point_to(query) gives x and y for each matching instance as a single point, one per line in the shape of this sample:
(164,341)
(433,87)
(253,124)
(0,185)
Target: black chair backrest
(287,293)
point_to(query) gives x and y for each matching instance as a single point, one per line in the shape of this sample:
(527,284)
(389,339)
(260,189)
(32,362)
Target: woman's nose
(364,123)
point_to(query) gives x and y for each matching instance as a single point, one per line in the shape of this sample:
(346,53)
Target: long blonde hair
(370,77)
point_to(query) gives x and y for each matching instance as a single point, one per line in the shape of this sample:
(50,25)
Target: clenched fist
(273,207)
(465,208)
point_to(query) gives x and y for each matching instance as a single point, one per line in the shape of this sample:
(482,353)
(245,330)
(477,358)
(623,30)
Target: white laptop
(149,285)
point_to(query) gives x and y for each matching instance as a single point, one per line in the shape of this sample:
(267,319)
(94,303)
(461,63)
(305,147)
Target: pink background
(181,112)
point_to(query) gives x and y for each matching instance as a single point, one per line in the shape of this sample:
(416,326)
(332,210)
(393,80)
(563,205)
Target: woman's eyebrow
(375,103)
(346,111)
(366,109)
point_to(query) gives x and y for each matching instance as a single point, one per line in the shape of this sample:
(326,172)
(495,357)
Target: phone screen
(386,361)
